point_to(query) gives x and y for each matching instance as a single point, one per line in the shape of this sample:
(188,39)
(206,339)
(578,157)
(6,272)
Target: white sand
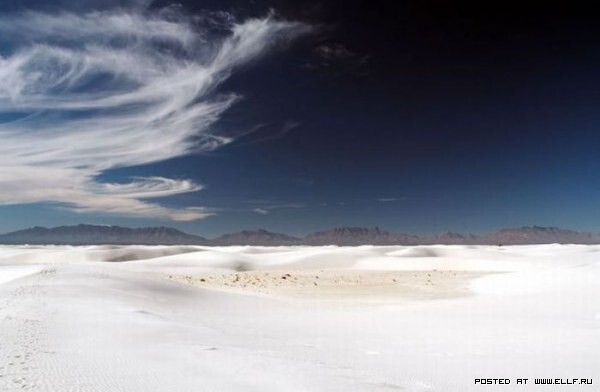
(69,321)
(350,286)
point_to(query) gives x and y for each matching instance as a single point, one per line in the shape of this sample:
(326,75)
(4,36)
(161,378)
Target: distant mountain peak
(86,234)
(256,237)
(350,236)
(449,234)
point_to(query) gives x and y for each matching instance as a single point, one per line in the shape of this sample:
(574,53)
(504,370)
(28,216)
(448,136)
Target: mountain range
(343,236)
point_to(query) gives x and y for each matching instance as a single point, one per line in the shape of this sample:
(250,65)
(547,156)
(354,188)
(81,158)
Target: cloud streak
(266,207)
(81,94)
(390,199)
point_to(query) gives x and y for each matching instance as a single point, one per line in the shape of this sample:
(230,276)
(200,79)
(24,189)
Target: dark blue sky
(420,117)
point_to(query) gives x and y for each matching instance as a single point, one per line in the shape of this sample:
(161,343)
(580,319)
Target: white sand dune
(109,318)
(350,286)
(8,273)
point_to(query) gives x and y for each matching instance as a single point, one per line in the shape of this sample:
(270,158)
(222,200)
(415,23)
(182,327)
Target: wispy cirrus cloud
(339,58)
(390,199)
(262,133)
(264,207)
(81,94)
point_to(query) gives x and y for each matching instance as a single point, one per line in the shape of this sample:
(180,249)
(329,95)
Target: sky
(218,116)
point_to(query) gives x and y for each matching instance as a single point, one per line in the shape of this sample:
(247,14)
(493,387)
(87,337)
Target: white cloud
(92,92)
(268,206)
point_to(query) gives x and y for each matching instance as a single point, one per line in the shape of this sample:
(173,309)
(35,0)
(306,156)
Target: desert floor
(188,318)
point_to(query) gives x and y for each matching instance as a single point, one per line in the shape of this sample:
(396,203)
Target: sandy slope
(339,285)
(69,321)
